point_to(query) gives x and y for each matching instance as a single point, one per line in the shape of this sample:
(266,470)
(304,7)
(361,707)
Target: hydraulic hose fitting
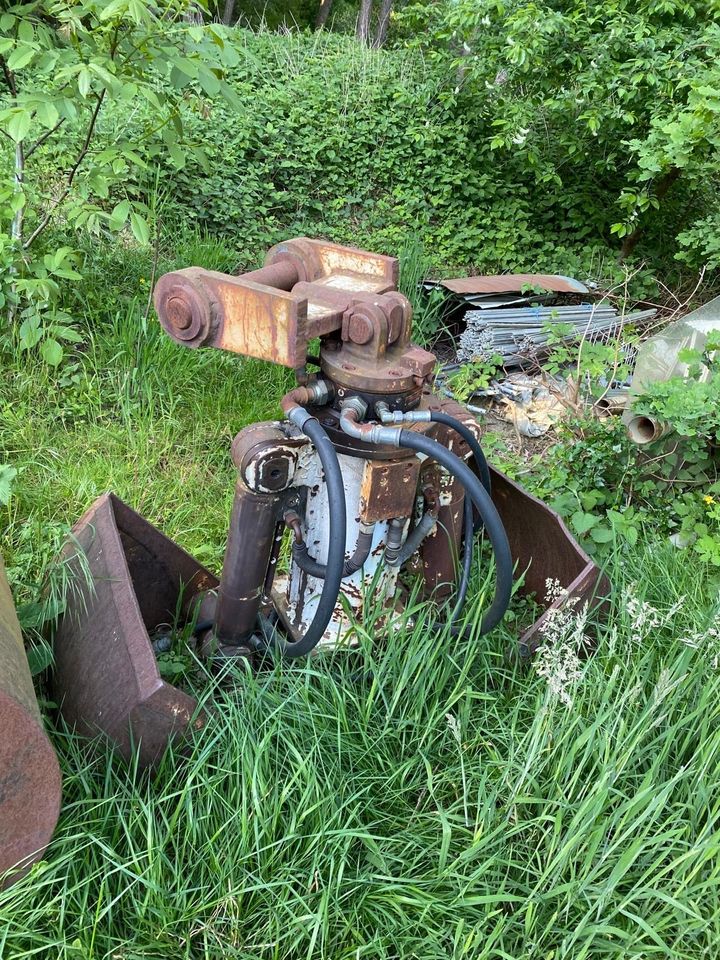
(351,413)
(393,544)
(318,393)
(293,522)
(388,416)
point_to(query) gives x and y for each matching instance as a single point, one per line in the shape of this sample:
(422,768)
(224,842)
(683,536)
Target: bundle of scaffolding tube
(522,333)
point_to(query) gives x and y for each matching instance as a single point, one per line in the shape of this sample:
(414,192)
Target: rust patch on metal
(514,283)
(106,678)
(30,785)
(388,489)
(261,314)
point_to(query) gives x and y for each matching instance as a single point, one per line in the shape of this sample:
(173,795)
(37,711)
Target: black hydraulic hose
(467,561)
(336,546)
(413,540)
(436,416)
(315,568)
(488,514)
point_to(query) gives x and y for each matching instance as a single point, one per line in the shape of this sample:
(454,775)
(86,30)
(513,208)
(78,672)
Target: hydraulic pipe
(253,520)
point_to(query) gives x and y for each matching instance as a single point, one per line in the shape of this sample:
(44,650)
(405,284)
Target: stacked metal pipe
(519,333)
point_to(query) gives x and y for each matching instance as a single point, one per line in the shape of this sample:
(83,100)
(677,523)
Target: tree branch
(9,77)
(71,176)
(41,140)
(664,184)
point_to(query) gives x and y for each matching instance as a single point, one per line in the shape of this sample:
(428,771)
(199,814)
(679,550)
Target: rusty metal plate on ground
(106,678)
(30,783)
(514,283)
(543,549)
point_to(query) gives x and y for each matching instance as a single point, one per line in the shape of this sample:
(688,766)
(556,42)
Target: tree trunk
(194,14)
(384,23)
(228,12)
(664,184)
(363,24)
(323,13)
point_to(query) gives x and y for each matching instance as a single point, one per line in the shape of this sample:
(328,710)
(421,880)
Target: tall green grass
(422,797)
(417,798)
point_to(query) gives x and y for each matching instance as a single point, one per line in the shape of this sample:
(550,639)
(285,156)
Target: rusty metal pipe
(642,430)
(282,275)
(247,558)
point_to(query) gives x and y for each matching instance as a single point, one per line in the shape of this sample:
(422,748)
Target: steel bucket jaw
(106,678)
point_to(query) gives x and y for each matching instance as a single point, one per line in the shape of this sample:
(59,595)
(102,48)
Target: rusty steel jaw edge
(29,773)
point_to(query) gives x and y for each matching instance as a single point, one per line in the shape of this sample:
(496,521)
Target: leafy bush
(374,148)
(610,108)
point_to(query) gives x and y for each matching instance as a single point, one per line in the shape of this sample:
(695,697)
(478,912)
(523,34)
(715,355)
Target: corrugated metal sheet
(514,283)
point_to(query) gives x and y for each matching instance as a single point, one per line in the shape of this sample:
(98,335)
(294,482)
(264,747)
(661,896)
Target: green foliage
(612,108)
(373,148)
(590,361)
(62,65)
(473,377)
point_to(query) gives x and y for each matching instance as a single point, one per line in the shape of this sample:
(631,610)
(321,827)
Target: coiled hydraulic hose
(411,440)
(336,546)
(436,416)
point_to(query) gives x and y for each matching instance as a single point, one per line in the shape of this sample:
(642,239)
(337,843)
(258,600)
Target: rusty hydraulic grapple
(370,474)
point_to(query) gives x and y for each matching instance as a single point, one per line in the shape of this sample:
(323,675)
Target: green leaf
(20,57)
(7,475)
(601,534)
(119,215)
(51,352)
(30,333)
(208,81)
(26,32)
(177,155)
(18,125)
(140,228)
(18,201)
(631,535)
(582,522)
(39,657)
(67,333)
(84,81)
(46,113)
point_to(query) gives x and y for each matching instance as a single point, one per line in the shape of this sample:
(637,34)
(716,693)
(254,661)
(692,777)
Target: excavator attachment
(343,457)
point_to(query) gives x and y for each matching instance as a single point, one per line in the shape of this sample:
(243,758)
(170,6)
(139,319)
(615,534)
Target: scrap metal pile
(515,316)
